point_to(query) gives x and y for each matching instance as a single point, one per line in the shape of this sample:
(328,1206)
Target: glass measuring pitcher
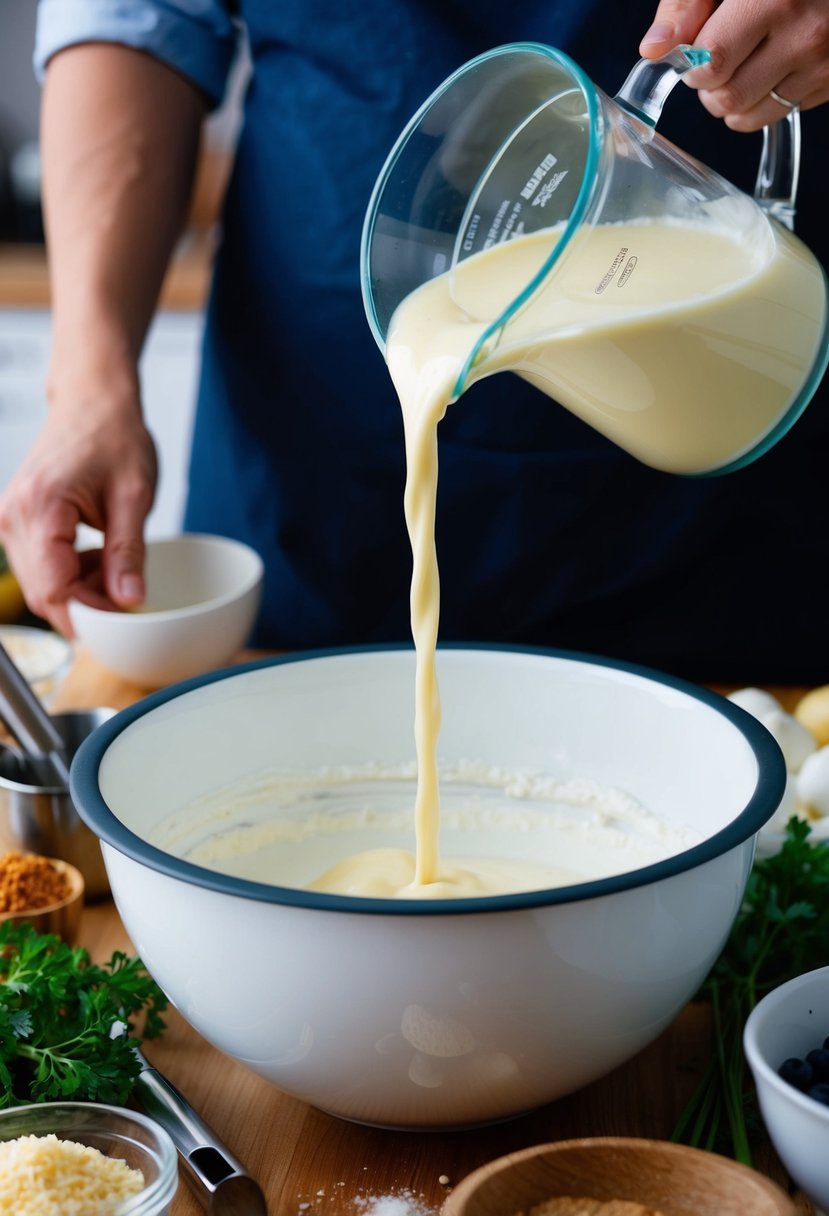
(567,241)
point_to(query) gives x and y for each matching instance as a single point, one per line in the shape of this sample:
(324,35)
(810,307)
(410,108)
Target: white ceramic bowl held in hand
(790,1022)
(203,593)
(420,1013)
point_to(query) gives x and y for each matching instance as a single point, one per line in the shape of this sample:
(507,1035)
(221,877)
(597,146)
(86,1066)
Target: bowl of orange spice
(46,892)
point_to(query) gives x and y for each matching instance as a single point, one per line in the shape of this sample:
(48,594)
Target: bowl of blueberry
(786,1042)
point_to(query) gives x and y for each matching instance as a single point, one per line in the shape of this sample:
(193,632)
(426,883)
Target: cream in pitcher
(560,237)
(683,364)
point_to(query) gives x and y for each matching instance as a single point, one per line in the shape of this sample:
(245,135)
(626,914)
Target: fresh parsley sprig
(781,931)
(60,1016)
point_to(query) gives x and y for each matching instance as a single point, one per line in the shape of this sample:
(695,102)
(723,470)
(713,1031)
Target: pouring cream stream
(613,348)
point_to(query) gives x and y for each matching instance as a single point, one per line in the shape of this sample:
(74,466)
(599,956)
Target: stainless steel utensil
(28,719)
(219,1181)
(37,814)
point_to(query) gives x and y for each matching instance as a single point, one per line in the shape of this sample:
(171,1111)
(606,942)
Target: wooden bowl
(62,918)
(667,1178)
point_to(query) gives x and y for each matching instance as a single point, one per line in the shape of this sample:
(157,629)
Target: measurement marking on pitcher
(538,175)
(549,188)
(469,239)
(608,278)
(628,270)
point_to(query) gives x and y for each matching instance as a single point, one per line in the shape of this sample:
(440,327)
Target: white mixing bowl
(415,1013)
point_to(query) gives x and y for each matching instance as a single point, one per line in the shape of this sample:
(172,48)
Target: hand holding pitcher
(659,303)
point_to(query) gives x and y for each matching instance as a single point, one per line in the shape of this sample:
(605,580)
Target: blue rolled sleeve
(197,38)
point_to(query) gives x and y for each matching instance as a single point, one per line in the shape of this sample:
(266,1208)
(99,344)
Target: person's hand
(91,464)
(758,48)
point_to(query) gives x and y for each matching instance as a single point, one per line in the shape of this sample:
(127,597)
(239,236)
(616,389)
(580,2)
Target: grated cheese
(45,1176)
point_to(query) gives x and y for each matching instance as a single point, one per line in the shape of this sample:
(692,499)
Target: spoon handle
(220,1182)
(27,717)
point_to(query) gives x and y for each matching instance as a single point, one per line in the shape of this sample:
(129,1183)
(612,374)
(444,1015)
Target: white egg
(813,781)
(796,742)
(755,701)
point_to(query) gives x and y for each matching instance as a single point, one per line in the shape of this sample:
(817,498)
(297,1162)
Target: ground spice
(567,1205)
(29,882)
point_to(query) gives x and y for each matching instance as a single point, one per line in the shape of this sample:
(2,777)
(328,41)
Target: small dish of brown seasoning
(616,1176)
(44,891)
(568,1205)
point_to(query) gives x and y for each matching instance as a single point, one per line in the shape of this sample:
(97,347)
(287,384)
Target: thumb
(675,21)
(123,564)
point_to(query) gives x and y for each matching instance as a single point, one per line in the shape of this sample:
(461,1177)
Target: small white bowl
(790,1021)
(203,593)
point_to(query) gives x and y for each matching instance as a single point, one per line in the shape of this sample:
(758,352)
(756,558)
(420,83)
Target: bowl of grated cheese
(84,1157)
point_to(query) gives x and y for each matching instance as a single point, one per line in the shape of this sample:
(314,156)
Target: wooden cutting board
(311,1164)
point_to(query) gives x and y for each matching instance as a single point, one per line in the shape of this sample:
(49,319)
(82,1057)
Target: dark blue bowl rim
(96,813)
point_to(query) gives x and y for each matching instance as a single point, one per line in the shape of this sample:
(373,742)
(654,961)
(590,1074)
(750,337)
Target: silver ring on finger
(782,101)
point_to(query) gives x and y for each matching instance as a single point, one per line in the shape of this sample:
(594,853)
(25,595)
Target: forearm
(119,138)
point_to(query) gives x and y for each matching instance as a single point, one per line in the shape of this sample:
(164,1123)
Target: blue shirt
(547,533)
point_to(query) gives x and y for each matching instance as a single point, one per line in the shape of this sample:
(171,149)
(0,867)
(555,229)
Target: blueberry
(797,1072)
(820,1092)
(819,1060)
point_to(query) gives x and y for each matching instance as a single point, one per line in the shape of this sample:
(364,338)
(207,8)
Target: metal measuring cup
(37,814)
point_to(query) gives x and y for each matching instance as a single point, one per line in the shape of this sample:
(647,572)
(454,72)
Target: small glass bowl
(113,1131)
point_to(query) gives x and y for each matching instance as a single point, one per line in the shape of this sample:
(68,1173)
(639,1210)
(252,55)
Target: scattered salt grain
(403,1203)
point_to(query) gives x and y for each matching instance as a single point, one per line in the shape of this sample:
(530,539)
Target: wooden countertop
(311,1164)
(24,276)
(24,273)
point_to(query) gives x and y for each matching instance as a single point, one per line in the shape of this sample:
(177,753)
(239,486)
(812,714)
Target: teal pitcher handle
(650,81)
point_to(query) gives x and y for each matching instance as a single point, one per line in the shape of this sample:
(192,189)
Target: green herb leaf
(57,1013)
(781,931)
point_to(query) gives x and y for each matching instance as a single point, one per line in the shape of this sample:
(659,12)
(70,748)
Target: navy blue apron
(547,533)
